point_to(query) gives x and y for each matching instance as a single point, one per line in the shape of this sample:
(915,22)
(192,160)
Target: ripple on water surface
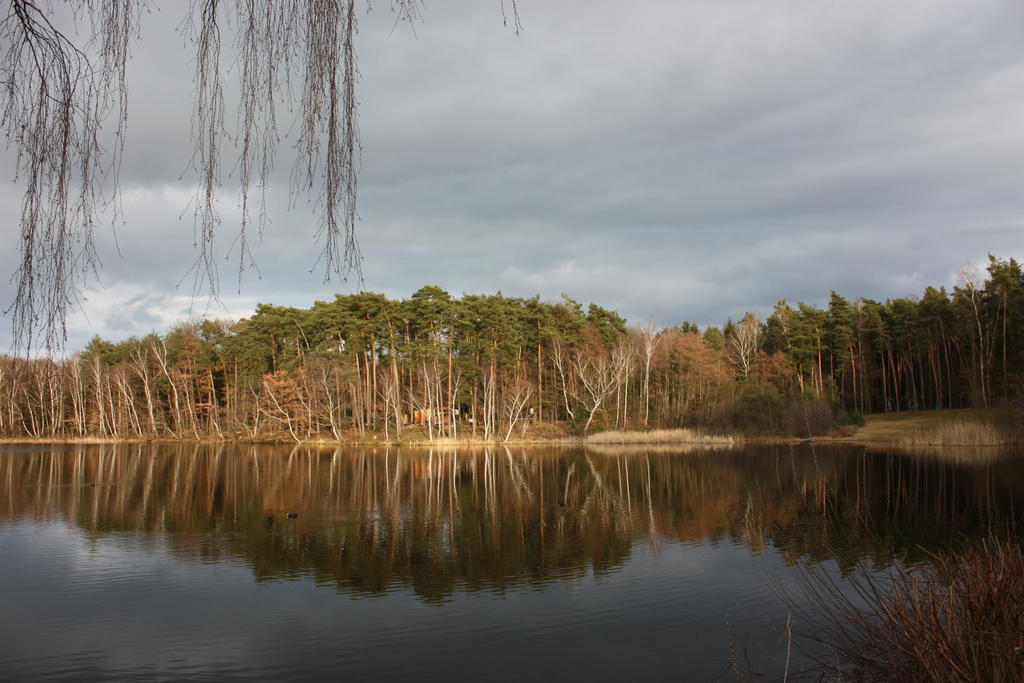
(647,568)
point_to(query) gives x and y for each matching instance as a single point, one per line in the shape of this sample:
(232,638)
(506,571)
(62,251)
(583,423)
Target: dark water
(142,563)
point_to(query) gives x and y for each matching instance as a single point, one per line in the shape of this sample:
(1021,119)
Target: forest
(498,368)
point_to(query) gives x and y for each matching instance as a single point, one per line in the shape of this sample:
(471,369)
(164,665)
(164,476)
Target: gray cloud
(687,160)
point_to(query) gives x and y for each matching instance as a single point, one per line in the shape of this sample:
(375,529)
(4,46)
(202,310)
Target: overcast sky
(683,160)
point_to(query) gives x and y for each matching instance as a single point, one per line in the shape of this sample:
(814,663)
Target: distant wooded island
(496,368)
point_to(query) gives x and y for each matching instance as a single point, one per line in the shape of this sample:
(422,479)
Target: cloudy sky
(684,160)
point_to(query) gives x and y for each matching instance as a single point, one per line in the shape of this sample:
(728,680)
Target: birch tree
(743,343)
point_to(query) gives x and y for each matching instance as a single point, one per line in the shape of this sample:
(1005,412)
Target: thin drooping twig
(208,134)
(59,93)
(55,100)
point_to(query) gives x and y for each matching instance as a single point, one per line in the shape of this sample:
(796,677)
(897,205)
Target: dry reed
(658,436)
(958,619)
(635,449)
(962,433)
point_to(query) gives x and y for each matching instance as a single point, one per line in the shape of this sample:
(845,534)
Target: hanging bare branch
(55,100)
(278,44)
(208,133)
(58,93)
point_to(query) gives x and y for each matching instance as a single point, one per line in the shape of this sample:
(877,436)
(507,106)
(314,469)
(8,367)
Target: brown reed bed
(638,449)
(959,618)
(658,436)
(965,432)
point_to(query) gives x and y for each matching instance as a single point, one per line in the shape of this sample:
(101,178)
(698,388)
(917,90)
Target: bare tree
(560,355)
(743,343)
(60,86)
(972,282)
(600,375)
(516,397)
(139,362)
(649,342)
(390,394)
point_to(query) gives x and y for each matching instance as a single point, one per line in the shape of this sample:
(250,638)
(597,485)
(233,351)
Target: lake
(229,562)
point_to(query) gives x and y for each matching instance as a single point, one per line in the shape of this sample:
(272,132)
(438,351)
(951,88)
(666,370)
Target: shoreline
(737,442)
(893,430)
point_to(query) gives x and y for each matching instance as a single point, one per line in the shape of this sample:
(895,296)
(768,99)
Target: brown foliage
(703,377)
(776,370)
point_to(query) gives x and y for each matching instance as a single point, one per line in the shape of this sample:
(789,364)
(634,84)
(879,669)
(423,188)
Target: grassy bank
(964,427)
(607,438)
(919,430)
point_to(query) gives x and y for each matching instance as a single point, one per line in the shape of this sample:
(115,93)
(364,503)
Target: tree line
(504,368)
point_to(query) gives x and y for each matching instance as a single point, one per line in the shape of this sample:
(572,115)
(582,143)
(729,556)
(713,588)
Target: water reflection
(439,522)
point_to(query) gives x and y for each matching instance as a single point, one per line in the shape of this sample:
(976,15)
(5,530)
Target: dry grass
(658,436)
(958,619)
(938,428)
(442,441)
(635,449)
(462,441)
(892,427)
(962,432)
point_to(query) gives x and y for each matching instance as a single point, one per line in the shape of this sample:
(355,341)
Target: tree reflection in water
(444,521)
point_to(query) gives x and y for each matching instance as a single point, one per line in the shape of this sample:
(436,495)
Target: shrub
(855,417)
(758,409)
(958,619)
(808,417)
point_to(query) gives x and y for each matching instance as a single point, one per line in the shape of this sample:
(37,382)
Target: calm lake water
(249,563)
